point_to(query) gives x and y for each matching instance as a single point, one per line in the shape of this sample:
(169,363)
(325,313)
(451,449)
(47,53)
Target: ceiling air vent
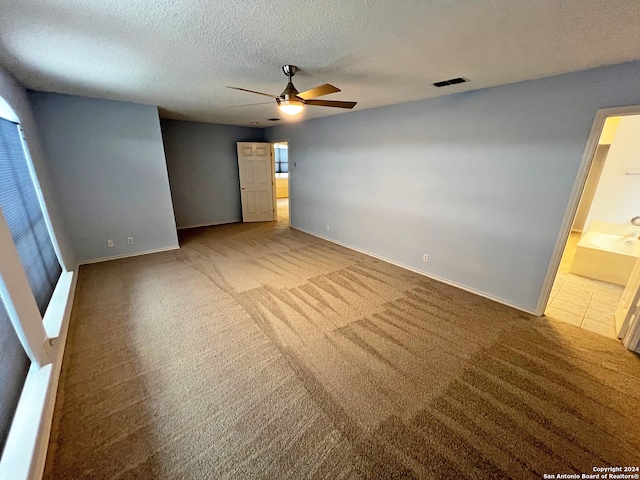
(453,81)
(273,119)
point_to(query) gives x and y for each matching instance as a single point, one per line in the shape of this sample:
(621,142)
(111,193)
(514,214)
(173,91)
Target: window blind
(14,365)
(23,214)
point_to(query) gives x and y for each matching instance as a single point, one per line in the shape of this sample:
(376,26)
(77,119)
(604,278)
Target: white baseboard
(25,452)
(428,275)
(200,225)
(136,254)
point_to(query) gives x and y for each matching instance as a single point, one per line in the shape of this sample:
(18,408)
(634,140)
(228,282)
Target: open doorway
(601,253)
(281,169)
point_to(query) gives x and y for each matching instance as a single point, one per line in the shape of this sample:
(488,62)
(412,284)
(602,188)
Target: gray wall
(108,167)
(203,170)
(480,180)
(15,95)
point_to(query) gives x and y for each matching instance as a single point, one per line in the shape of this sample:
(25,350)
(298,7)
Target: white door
(628,311)
(256,181)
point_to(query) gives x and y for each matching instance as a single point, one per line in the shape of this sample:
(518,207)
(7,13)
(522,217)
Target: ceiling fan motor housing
(289,70)
(290,92)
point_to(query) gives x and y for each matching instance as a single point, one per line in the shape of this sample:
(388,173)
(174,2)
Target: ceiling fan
(292,102)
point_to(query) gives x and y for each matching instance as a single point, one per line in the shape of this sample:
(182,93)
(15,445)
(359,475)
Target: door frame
(628,307)
(574,199)
(273,170)
(631,337)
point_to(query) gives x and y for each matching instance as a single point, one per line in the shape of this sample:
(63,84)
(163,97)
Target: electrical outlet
(327,227)
(110,243)
(130,240)
(425,257)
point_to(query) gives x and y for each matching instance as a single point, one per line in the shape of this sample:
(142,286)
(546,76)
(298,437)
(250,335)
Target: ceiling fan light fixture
(290,107)
(291,102)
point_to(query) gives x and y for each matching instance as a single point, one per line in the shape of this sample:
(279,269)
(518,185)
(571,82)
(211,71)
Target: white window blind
(23,214)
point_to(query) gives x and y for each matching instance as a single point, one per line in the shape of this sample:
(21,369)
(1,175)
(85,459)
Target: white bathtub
(611,243)
(606,256)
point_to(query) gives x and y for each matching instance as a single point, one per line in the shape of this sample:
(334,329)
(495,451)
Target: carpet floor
(257,351)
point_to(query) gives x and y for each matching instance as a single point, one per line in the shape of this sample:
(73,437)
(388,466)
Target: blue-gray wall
(203,170)
(108,169)
(480,180)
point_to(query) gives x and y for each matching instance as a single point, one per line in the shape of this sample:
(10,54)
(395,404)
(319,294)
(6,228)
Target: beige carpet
(256,351)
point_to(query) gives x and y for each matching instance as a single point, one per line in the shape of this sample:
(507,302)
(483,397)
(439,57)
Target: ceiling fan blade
(250,104)
(330,103)
(318,91)
(253,91)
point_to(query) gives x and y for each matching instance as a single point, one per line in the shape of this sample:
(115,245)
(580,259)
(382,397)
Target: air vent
(273,119)
(453,81)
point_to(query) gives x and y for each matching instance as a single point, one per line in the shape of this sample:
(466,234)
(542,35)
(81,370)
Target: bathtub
(606,256)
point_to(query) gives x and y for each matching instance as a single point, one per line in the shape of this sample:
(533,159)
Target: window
(14,365)
(24,218)
(23,214)
(282,157)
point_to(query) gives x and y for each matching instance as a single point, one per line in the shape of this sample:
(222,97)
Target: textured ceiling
(180,54)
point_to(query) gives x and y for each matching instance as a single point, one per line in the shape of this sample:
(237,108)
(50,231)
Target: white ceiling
(180,54)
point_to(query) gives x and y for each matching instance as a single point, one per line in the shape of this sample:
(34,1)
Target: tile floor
(581,301)
(283,210)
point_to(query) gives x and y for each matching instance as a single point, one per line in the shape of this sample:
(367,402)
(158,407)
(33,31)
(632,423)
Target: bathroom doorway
(602,249)
(281,168)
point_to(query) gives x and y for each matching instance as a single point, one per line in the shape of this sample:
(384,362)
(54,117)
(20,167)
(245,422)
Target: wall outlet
(425,257)
(130,240)
(110,243)
(327,227)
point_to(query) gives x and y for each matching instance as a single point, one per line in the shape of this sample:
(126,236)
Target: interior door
(628,309)
(256,181)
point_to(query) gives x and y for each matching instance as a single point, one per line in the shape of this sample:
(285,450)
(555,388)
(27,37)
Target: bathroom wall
(282,187)
(609,130)
(597,165)
(617,197)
